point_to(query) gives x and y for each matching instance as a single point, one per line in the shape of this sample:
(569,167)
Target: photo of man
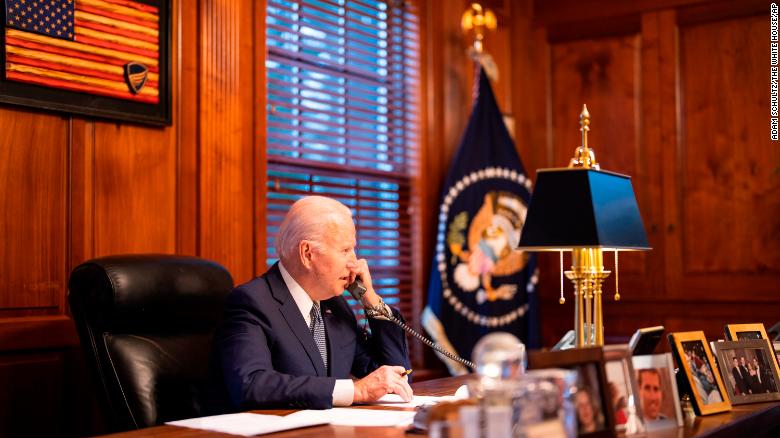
(750,372)
(752,375)
(655,396)
(739,378)
(651,394)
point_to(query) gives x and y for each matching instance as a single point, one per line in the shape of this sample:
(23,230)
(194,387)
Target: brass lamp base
(587,273)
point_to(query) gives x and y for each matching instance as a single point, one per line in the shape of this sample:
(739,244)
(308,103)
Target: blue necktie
(317,328)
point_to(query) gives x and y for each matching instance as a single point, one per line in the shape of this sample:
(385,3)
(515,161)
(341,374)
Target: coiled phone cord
(424,340)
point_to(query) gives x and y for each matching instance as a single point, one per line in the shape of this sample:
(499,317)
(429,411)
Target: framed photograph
(621,385)
(748,370)
(109,58)
(549,409)
(592,402)
(739,332)
(776,347)
(645,339)
(701,379)
(657,391)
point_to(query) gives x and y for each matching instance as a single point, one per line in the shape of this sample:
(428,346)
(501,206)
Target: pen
(407,372)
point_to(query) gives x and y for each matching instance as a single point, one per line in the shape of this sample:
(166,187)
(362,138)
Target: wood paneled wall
(677,89)
(74,188)
(679,96)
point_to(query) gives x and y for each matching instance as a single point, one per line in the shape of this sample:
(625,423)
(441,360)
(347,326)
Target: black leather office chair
(146,323)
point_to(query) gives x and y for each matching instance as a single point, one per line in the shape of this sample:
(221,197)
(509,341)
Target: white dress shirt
(344,390)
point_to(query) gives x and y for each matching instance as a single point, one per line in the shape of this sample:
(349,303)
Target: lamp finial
(584,156)
(584,124)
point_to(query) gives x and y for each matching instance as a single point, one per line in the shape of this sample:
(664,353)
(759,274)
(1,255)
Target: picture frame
(668,412)
(700,378)
(776,348)
(120,72)
(621,385)
(739,332)
(593,411)
(553,412)
(748,370)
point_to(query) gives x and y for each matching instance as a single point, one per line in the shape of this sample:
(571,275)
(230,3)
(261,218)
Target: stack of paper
(248,424)
(366,417)
(396,401)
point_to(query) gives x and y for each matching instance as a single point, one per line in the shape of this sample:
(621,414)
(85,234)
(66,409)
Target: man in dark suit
(739,380)
(289,338)
(746,373)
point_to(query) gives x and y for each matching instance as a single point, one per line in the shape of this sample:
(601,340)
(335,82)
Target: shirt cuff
(343,392)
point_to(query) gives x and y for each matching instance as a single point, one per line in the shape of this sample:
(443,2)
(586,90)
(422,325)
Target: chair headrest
(149,291)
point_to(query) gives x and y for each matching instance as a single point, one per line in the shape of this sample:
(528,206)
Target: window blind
(342,92)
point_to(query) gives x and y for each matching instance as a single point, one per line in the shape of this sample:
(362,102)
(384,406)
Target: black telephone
(357,289)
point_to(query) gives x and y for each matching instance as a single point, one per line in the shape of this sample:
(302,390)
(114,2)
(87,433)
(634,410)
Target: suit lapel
(292,315)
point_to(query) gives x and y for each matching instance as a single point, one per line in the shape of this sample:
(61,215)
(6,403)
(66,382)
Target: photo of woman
(589,416)
(750,372)
(588,401)
(701,370)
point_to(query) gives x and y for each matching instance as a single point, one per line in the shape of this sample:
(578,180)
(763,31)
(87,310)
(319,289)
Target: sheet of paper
(396,401)
(367,417)
(248,424)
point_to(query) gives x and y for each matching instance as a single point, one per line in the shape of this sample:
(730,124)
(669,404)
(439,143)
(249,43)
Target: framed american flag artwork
(102,58)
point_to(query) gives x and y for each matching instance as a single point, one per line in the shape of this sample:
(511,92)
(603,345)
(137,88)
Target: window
(342,122)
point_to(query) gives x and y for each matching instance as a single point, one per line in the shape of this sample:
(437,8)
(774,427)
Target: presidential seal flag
(480,283)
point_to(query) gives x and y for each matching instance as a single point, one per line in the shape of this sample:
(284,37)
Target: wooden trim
(561,11)
(261,140)
(721,11)
(186,123)
(82,193)
(658,85)
(226,140)
(37,332)
(418,192)
(596,28)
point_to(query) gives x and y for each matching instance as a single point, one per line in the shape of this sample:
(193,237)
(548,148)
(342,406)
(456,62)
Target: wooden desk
(751,421)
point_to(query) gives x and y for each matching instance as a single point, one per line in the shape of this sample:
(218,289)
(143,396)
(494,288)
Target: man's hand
(384,380)
(359,268)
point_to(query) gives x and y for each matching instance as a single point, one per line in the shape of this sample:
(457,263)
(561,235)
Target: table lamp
(587,211)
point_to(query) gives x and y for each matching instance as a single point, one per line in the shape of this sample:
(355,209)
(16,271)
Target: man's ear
(306,253)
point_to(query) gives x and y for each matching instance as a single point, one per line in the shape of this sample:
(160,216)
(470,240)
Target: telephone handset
(357,289)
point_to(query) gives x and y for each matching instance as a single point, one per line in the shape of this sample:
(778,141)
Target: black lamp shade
(579,208)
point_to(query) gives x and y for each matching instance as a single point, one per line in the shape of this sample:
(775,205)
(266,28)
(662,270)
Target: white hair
(309,218)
